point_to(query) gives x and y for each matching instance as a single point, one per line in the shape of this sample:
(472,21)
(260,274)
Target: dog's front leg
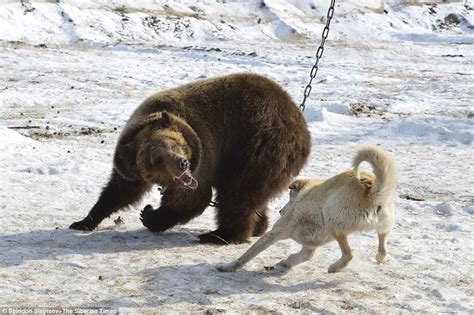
(303,255)
(382,255)
(264,242)
(346,254)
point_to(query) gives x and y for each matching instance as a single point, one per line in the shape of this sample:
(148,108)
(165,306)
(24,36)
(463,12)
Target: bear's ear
(165,120)
(124,162)
(134,127)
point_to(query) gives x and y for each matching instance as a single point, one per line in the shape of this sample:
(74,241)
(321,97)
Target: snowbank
(101,23)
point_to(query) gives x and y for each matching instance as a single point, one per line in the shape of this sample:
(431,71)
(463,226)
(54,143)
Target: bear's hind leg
(261,224)
(233,229)
(238,219)
(255,173)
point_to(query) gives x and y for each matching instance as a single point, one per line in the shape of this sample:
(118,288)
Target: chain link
(319,54)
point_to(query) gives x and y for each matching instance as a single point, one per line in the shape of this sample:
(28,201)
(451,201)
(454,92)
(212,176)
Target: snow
(71,73)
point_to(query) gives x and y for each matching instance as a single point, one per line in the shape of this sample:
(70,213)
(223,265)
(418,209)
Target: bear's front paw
(226,267)
(83,225)
(158,220)
(146,216)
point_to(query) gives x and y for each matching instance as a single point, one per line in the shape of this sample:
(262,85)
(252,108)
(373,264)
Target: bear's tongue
(187,180)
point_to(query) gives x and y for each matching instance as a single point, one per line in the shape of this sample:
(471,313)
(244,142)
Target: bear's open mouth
(187,180)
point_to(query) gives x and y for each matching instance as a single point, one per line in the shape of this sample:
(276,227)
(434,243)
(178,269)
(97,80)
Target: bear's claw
(157,220)
(144,215)
(81,226)
(218,239)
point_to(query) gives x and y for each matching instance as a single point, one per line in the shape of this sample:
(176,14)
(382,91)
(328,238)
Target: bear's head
(160,148)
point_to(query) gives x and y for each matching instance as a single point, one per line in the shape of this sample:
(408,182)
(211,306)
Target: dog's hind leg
(264,242)
(382,255)
(346,254)
(386,221)
(303,255)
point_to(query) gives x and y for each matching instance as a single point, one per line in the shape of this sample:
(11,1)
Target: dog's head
(161,149)
(301,184)
(298,186)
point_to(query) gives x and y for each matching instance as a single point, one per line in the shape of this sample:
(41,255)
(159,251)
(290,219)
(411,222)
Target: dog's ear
(297,184)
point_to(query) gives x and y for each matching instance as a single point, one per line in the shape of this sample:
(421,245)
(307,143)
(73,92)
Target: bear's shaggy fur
(240,134)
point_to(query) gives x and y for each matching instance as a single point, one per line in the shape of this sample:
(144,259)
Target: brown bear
(240,134)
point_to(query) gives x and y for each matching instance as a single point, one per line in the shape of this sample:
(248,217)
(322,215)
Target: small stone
(452,19)
(119,221)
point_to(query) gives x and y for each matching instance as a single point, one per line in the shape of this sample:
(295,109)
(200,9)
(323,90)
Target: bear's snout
(184,164)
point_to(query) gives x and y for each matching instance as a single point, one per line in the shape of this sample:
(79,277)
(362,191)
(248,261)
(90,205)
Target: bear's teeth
(187,180)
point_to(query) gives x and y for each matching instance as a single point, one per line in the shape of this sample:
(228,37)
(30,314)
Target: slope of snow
(99,23)
(62,106)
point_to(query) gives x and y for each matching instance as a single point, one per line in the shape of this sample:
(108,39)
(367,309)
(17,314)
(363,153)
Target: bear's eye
(173,148)
(156,161)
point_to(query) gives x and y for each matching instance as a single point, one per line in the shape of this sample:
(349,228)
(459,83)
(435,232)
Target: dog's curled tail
(384,171)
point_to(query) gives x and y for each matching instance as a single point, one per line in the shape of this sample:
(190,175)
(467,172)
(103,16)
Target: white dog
(319,212)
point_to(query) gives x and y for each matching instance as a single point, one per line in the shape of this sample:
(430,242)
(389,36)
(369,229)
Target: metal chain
(319,54)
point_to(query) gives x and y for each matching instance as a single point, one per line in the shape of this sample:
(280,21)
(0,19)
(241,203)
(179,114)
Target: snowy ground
(62,106)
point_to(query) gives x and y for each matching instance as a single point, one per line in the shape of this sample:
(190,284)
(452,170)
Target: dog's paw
(282,265)
(332,269)
(336,267)
(381,258)
(226,267)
